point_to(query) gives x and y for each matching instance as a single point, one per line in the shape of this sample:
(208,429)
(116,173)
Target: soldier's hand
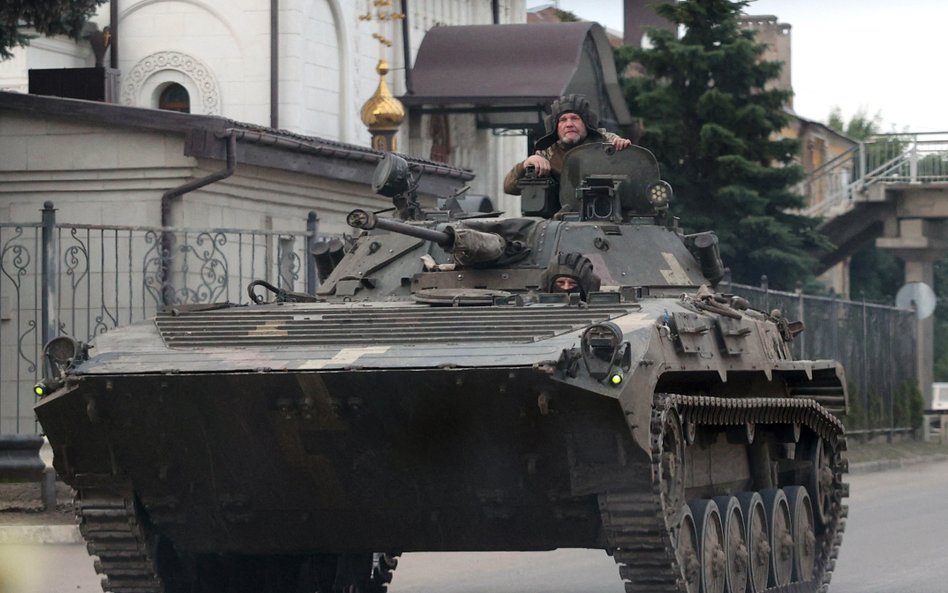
(539,164)
(621,143)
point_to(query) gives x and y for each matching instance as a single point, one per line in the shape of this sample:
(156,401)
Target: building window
(175,98)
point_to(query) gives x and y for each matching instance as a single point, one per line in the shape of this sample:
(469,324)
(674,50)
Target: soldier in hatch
(571,273)
(564,284)
(571,123)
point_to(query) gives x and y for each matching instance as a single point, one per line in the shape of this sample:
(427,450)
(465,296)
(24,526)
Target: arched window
(175,97)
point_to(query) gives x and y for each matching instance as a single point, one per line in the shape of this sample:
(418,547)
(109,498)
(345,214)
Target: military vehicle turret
(570,378)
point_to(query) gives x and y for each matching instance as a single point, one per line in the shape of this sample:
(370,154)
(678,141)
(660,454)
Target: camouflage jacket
(555,155)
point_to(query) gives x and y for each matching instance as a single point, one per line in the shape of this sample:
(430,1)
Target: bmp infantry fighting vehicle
(570,378)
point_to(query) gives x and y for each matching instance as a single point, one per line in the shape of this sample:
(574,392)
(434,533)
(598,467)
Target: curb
(40,534)
(880,465)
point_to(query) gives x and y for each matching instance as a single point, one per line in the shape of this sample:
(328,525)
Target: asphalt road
(47,569)
(896,537)
(896,541)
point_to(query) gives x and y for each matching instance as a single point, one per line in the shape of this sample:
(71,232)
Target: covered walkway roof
(508,74)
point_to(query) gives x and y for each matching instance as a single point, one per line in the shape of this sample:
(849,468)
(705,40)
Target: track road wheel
(383,567)
(673,462)
(686,550)
(821,478)
(710,545)
(757,536)
(735,543)
(781,536)
(804,532)
(354,573)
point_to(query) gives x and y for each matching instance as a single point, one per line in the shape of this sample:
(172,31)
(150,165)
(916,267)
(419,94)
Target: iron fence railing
(82,280)
(20,324)
(875,344)
(906,158)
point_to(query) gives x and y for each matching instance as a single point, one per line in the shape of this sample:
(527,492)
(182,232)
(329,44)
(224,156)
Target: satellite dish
(918,296)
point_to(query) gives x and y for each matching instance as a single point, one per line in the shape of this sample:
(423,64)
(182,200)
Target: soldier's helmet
(575,103)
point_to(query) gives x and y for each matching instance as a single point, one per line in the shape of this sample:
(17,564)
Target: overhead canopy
(508,74)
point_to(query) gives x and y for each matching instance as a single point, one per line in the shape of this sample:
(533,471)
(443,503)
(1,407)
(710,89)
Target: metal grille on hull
(253,326)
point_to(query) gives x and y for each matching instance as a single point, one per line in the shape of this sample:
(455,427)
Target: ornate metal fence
(875,344)
(83,280)
(20,324)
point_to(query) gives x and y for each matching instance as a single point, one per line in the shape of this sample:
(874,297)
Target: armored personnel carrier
(571,378)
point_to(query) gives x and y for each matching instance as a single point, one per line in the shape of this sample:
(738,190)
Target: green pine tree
(711,123)
(46,17)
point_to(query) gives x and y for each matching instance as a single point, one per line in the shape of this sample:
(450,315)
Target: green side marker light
(615,379)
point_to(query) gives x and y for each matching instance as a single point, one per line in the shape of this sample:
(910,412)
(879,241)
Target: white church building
(216,58)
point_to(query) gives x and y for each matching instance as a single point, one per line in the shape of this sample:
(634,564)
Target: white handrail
(910,158)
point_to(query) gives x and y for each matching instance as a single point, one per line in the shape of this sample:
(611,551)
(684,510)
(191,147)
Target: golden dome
(382,110)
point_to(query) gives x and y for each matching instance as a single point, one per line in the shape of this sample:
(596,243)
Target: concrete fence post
(49,273)
(20,461)
(801,315)
(312,235)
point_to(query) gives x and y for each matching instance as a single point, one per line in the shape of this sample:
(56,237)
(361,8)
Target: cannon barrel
(361,219)
(468,246)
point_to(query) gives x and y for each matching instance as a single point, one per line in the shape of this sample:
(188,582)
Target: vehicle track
(641,530)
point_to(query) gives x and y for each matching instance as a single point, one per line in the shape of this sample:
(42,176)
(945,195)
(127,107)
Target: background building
(307,68)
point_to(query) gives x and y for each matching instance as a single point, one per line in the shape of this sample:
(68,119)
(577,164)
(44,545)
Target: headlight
(60,351)
(392,176)
(659,195)
(605,355)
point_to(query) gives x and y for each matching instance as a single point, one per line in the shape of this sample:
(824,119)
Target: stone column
(919,242)
(917,270)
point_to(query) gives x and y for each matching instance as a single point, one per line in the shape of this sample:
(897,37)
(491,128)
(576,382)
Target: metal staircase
(856,192)
(843,182)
